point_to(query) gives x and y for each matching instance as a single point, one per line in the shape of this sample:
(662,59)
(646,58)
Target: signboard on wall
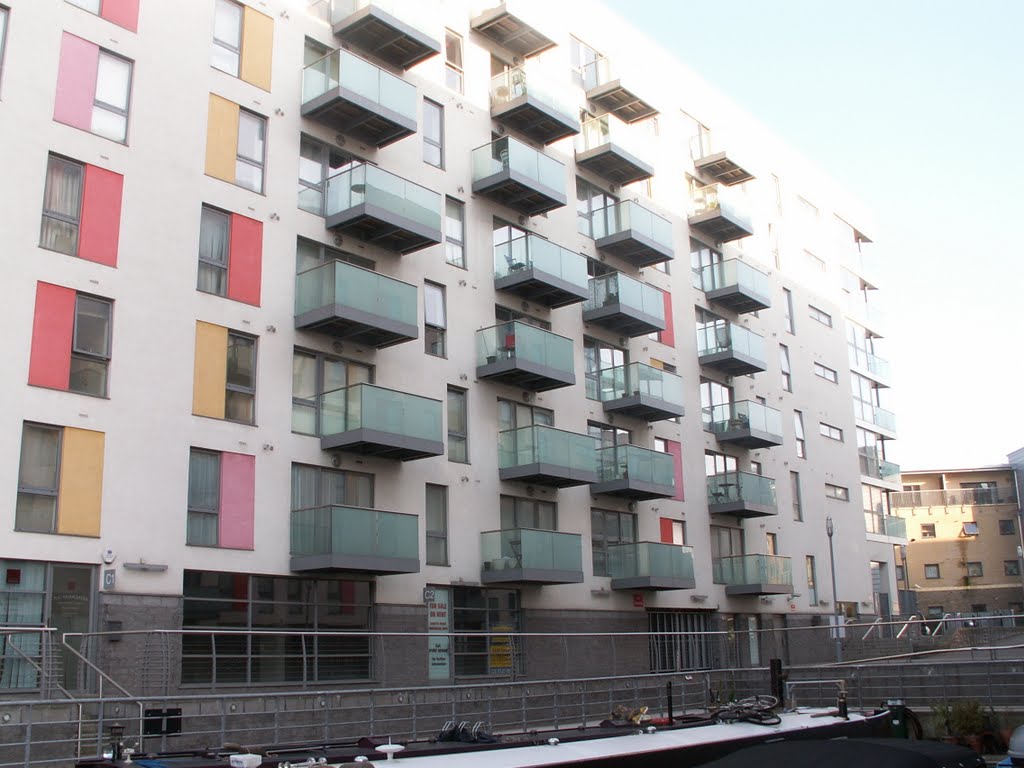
(438,625)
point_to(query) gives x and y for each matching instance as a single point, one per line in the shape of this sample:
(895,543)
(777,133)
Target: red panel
(101,216)
(52,328)
(666,530)
(668,336)
(674,448)
(237,501)
(124,13)
(76,82)
(245,261)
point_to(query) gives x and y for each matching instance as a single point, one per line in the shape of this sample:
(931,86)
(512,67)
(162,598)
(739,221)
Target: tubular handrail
(871,629)
(37,667)
(103,676)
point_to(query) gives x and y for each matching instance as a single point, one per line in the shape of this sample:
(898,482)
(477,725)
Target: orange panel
(222,139)
(81,482)
(211,370)
(257,48)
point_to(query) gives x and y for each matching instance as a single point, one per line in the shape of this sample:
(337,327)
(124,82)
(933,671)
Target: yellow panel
(655,363)
(81,482)
(211,371)
(257,47)
(222,139)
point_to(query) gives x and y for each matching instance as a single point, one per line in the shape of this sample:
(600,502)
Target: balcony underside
(334,562)
(345,111)
(382,227)
(511,32)
(357,326)
(520,193)
(621,102)
(734,590)
(383,445)
(636,490)
(644,407)
(535,377)
(551,475)
(542,288)
(720,168)
(720,227)
(739,299)
(536,120)
(623,319)
(510,573)
(654,583)
(732,362)
(611,162)
(742,508)
(382,35)
(635,247)
(739,433)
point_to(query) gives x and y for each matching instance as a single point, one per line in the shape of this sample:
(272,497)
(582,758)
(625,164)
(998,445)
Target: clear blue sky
(917,107)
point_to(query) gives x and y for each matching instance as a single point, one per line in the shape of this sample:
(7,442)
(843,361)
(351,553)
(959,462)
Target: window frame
(928,530)
(63,218)
(324,150)
(798,507)
(811,567)
(820,315)
(1007,526)
(799,436)
(87,356)
(975,569)
(261,165)
(5,22)
(435,337)
(436,534)
(932,571)
(320,361)
(459,242)
(124,112)
(431,141)
(786,367)
(1011,567)
(227,46)
(451,67)
(826,373)
(831,432)
(31,490)
(788,322)
(601,545)
(239,388)
(195,509)
(457,437)
(209,263)
(837,492)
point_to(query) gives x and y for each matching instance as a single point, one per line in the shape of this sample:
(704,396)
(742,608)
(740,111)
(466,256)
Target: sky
(917,108)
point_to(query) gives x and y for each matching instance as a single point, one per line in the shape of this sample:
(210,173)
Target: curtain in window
(61,204)
(433,306)
(203,481)
(21,604)
(214,238)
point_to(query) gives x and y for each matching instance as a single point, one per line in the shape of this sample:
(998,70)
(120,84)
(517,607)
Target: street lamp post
(830,529)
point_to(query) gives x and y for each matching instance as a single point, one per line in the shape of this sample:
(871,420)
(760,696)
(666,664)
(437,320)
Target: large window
(784,365)
(486,610)
(458,425)
(214,244)
(608,527)
(517,512)
(3,35)
(62,205)
(455,232)
(590,199)
(513,415)
(433,133)
(599,356)
(313,374)
(317,163)
(798,433)
(227,37)
(38,479)
(812,581)
(90,349)
(319,487)
(203,498)
(794,486)
(251,147)
(435,320)
(453,60)
(240,397)
(110,106)
(436,524)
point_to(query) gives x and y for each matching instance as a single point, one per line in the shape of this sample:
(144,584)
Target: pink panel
(676,449)
(124,13)
(237,500)
(666,530)
(76,82)
(101,216)
(668,336)
(245,261)
(52,328)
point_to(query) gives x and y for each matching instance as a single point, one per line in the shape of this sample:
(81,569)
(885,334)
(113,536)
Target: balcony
(511,31)
(730,348)
(529,556)
(641,391)
(958,497)
(383,209)
(373,421)
(540,271)
(634,473)
(875,418)
(651,565)
(869,364)
(354,304)
(631,232)
(742,494)
(535,102)
(746,423)
(606,90)
(624,305)
(736,285)
(391,30)
(612,150)
(546,456)
(337,538)
(352,96)
(518,176)
(754,574)
(714,212)
(879,469)
(885,525)
(720,166)
(526,356)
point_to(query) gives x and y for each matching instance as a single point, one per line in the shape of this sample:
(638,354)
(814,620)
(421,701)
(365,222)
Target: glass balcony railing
(752,569)
(606,130)
(860,358)
(381,91)
(540,444)
(631,217)
(525,343)
(734,273)
(533,252)
(511,155)
(354,532)
(648,559)
(528,549)
(956,497)
(730,220)
(337,283)
(630,462)
(872,466)
(723,336)
(746,487)
(875,415)
(742,414)
(363,184)
(617,288)
(533,79)
(366,406)
(640,379)
(885,525)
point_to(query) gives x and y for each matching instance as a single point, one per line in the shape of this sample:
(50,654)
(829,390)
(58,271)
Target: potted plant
(967,721)
(941,727)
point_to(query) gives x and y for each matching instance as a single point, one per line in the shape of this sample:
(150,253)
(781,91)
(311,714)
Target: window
(77,194)
(485,611)
(931,571)
(435,320)
(726,542)
(812,580)
(832,433)
(317,163)
(518,512)
(975,569)
(436,524)
(589,201)
(230,256)
(458,426)
(313,375)
(798,432)
(453,60)
(251,142)
(506,315)
(608,528)
(822,317)
(837,492)
(599,356)
(583,60)
(794,484)
(513,415)
(713,397)
(227,37)
(607,436)
(826,373)
(756,467)
(433,133)
(38,479)
(309,255)
(1006,527)
(314,487)
(787,309)
(70,341)
(124,13)
(970,528)
(214,238)
(1011,567)
(243,40)
(455,232)
(62,203)
(240,398)
(106,112)
(203,498)
(816,263)
(771,543)
(3,35)
(90,349)
(927,530)
(901,574)
(787,373)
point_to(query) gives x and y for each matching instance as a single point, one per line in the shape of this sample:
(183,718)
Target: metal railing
(958,497)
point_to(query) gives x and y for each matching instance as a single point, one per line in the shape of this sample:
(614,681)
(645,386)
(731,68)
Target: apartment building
(424,317)
(963,527)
